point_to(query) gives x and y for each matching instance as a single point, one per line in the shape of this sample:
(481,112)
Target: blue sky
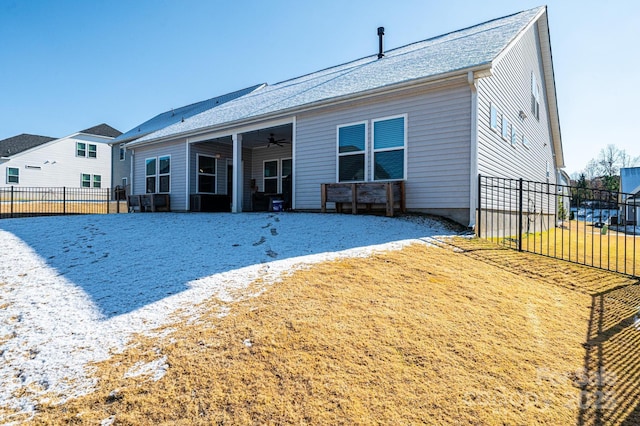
(68,65)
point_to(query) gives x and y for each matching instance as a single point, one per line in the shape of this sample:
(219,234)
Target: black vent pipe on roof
(380,36)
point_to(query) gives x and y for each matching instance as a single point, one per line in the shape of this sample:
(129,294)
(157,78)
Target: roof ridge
(375,55)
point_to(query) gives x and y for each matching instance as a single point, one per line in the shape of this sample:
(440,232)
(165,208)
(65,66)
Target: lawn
(583,243)
(464,332)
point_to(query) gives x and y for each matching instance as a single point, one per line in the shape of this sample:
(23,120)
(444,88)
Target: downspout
(131,161)
(473,158)
(188,183)
(293,164)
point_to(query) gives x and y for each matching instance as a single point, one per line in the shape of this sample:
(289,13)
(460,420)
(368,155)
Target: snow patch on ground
(73,290)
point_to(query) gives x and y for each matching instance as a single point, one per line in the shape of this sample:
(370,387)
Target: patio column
(236,199)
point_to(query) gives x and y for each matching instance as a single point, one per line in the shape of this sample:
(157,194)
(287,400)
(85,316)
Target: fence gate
(593,227)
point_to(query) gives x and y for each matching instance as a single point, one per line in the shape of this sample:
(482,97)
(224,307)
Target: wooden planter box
(367,195)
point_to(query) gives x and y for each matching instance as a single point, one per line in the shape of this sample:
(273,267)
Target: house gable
(515,136)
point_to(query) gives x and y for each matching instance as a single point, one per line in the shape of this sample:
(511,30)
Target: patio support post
(236,198)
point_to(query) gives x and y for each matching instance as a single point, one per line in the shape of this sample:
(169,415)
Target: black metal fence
(593,227)
(18,201)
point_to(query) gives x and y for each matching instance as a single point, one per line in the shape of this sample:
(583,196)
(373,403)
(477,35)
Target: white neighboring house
(80,160)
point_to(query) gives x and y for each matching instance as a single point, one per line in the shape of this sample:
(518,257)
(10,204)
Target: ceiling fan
(271,140)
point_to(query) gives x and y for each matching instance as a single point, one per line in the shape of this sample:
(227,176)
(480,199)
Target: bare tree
(609,160)
(627,160)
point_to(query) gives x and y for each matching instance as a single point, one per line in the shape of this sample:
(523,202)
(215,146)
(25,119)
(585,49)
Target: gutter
(483,70)
(473,159)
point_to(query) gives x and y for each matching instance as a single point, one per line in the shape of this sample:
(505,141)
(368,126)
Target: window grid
(207,174)
(13,175)
(389,148)
(351,159)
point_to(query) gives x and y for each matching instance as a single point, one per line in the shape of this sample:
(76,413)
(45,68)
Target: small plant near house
(562,211)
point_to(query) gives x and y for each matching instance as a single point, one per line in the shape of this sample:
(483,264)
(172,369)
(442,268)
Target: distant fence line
(592,227)
(18,201)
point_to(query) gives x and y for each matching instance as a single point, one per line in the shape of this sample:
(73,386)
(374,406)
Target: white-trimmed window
(535,96)
(86,150)
(81,149)
(525,141)
(352,146)
(207,174)
(514,136)
(151,172)
(164,174)
(389,143)
(505,128)
(85,180)
(158,174)
(90,181)
(493,117)
(13,175)
(122,152)
(270,176)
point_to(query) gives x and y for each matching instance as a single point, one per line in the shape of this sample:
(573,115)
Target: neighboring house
(630,189)
(434,114)
(80,160)
(121,166)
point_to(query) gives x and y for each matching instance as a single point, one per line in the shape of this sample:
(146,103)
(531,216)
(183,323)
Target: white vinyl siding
(55,163)
(177,178)
(509,89)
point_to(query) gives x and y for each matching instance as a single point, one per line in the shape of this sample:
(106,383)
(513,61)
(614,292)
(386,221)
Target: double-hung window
(352,145)
(158,174)
(85,180)
(13,175)
(86,150)
(207,167)
(151,172)
(164,174)
(81,149)
(535,96)
(270,176)
(493,117)
(90,181)
(505,128)
(389,142)
(123,152)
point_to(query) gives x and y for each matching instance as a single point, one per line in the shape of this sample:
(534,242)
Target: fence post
(108,195)
(11,204)
(64,200)
(479,216)
(520,210)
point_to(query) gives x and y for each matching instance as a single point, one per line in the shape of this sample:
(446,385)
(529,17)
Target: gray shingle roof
(16,144)
(178,114)
(456,51)
(102,130)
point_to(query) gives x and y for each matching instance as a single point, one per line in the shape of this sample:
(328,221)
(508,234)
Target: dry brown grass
(583,243)
(422,335)
(44,207)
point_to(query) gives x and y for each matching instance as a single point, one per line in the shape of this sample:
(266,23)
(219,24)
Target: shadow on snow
(125,262)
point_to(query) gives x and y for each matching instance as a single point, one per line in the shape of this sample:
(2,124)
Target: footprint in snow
(261,241)
(274,231)
(272,254)
(267,225)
